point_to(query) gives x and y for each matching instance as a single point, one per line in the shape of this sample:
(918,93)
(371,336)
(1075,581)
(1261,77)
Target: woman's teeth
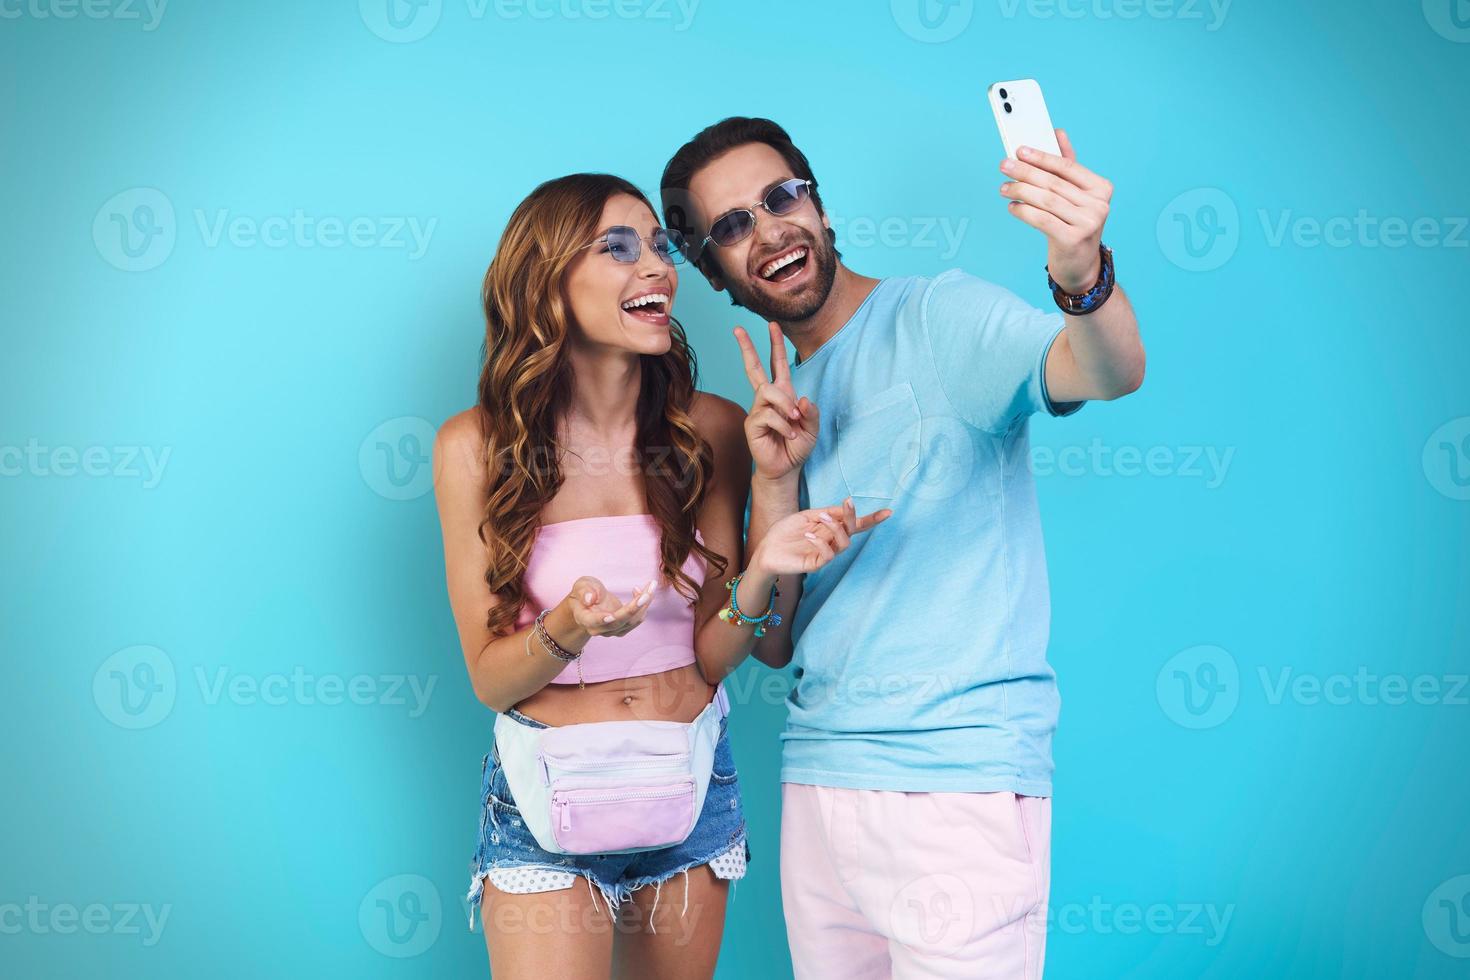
(776,265)
(655,300)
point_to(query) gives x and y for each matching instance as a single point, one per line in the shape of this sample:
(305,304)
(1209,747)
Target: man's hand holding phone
(1066,202)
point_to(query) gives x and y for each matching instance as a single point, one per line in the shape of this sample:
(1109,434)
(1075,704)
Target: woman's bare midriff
(672,695)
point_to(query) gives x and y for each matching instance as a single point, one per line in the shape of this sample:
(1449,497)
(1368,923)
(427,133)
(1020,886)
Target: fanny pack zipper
(563,807)
(669,760)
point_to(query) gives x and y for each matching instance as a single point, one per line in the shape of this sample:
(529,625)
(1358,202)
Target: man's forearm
(1106,348)
(770,501)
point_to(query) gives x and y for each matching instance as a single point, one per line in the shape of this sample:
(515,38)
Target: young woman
(592,507)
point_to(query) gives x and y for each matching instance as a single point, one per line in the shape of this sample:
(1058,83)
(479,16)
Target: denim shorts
(509,856)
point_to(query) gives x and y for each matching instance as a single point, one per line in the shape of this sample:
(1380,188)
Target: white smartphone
(1021,116)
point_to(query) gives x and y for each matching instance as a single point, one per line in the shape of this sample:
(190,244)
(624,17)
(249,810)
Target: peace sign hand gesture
(780,428)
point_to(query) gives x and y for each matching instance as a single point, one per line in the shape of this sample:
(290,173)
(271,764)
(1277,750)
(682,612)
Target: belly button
(628,699)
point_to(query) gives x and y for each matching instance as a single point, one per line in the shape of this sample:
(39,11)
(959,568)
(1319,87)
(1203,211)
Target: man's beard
(801,305)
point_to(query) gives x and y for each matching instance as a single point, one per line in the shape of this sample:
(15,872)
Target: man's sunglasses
(624,244)
(735,226)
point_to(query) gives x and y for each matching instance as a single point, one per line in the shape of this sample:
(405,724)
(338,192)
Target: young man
(916,759)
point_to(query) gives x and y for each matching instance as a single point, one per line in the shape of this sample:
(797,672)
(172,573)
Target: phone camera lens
(1008,107)
(1003,94)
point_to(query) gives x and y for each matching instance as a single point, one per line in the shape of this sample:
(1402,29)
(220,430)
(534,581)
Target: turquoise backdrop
(239,275)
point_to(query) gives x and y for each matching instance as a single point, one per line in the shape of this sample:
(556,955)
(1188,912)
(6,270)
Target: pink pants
(879,884)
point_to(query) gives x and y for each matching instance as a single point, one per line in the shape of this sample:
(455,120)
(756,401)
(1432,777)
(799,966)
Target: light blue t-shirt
(920,651)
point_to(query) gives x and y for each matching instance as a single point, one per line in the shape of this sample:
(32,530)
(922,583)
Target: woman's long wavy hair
(525,388)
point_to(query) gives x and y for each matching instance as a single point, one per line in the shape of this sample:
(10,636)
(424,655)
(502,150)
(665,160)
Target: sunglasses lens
(732,227)
(670,244)
(623,244)
(786,197)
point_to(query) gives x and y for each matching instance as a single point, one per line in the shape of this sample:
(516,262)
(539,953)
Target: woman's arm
(719,647)
(500,672)
(770,501)
(792,545)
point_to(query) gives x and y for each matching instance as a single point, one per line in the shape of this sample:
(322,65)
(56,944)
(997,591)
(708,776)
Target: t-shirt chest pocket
(878,442)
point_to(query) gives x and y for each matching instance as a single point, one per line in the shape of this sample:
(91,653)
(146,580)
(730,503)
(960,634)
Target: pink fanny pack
(611,786)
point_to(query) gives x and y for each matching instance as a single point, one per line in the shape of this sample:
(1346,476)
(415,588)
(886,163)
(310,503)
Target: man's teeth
(771,268)
(640,301)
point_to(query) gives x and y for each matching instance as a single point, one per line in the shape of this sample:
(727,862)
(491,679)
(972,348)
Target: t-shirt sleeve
(989,348)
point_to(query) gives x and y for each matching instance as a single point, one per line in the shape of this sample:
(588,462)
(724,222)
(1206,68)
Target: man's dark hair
(709,143)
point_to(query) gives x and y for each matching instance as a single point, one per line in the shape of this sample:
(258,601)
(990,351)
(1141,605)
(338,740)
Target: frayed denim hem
(657,881)
(477,885)
(615,895)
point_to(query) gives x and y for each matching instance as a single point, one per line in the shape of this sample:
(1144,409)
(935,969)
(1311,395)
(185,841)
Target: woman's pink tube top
(622,552)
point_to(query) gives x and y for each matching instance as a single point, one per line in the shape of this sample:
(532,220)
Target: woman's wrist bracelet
(732,614)
(549,644)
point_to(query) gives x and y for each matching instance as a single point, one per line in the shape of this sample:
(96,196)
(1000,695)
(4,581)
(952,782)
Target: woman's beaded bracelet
(732,614)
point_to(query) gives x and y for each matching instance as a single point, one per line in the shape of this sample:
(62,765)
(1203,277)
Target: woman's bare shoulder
(716,416)
(459,449)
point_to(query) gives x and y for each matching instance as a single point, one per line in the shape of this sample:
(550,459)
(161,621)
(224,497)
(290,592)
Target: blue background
(1332,835)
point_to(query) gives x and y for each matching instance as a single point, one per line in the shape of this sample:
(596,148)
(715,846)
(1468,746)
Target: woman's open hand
(808,539)
(601,613)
